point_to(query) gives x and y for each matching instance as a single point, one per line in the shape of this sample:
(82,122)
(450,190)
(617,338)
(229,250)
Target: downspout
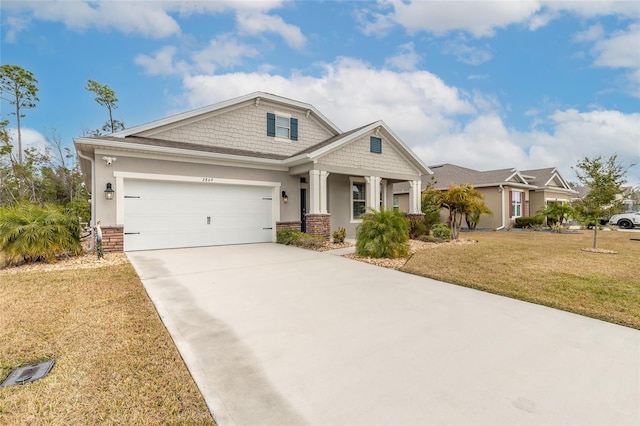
(93,187)
(502,208)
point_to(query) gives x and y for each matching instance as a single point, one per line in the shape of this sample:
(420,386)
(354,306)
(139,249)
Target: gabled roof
(545,178)
(445,175)
(450,174)
(255,96)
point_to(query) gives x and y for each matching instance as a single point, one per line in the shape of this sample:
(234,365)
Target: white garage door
(159,214)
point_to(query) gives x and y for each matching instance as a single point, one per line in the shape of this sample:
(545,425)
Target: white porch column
(323,191)
(314,192)
(318,191)
(415,193)
(373,192)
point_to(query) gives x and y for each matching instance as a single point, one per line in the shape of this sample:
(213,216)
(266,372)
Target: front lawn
(115,361)
(545,268)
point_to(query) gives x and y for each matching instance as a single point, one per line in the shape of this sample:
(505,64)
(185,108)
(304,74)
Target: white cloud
(464,52)
(254,23)
(223,51)
(593,33)
(483,18)
(162,62)
(31,138)
(149,19)
(621,50)
(406,59)
(475,17)
(352,94)
(427,115)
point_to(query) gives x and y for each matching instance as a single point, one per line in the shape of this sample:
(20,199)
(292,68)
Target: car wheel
(625,224)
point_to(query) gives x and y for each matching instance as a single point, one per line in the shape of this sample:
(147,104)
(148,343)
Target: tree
(554,212)
(462,201)
(604,178)
(430,207)
(18,87)
(106,97)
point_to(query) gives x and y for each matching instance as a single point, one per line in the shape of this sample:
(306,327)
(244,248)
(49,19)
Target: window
(375,145)
(383,194)
(283,126)
(396,203)
(358,199)
(516,204)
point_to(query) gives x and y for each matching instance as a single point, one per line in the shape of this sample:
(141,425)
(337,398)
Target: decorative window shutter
(511,203)
(271,124)
(376,145)
(294,129)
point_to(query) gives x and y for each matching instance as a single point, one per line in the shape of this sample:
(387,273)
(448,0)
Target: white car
(626,220)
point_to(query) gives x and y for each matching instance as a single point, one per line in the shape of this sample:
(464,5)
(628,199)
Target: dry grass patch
(545,268)
(115,361)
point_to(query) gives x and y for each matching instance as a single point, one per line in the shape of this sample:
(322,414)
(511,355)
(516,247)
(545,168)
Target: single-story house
(508,193)
(237,171)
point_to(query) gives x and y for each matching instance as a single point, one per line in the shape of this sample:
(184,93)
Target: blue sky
(480,84)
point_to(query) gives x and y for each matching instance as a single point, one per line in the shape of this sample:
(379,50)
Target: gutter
(502,209)
(93,186)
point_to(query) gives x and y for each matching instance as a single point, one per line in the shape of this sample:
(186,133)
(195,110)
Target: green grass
(545,268)
(115,361)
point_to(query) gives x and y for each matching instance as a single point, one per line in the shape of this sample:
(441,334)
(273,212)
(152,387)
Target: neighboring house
(508,193)
(630,197)
(237,171)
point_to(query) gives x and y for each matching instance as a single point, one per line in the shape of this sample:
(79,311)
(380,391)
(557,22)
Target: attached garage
(164,214)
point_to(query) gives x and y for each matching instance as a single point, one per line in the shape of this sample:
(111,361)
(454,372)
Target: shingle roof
(539,177)
(329,141)
(192,147)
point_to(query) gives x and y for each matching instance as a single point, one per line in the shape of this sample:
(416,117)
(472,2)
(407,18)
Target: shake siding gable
(357,154)
(245,128)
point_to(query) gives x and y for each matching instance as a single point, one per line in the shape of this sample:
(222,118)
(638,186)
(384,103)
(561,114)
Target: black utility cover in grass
(28,373)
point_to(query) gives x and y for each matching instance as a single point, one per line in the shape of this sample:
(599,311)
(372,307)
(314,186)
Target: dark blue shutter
(294,129)
(271,124)
(376,145)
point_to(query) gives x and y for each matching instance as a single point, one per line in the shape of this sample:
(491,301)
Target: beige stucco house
(237,171)
(508,193)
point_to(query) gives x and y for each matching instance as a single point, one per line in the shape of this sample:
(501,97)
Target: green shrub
(430,239)
(383,233)
(339,235)
(528,221)
(441,231)
(417,228)
(286,236)
(30,233)
(309,241)
(299,239)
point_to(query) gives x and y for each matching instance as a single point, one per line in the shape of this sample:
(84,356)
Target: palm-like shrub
(30,233)
(383,233)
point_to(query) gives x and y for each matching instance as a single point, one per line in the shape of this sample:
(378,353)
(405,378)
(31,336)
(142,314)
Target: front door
(303,210)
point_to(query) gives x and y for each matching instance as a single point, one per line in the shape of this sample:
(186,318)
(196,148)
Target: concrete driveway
(279,335)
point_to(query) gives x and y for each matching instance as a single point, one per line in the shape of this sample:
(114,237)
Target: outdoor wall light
(285,197)
(108,193)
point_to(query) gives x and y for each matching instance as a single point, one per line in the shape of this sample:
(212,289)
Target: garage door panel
(175,214)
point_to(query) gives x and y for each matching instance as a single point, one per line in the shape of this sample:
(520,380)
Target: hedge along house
(237,171)
(508,193)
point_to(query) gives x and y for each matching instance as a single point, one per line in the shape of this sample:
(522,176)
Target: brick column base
(319,224)
(292,226)
(112,238)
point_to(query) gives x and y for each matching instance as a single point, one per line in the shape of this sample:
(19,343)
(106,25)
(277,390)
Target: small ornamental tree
(554,212)
(462,201)
(604,178)
(383,233)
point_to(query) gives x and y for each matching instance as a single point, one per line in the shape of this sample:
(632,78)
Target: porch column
(324,191)
(415,195)
(373,192)
(314,191)
(317,219)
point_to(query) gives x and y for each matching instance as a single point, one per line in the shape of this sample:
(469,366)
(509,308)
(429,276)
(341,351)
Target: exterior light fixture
(108,193)
(285,197)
